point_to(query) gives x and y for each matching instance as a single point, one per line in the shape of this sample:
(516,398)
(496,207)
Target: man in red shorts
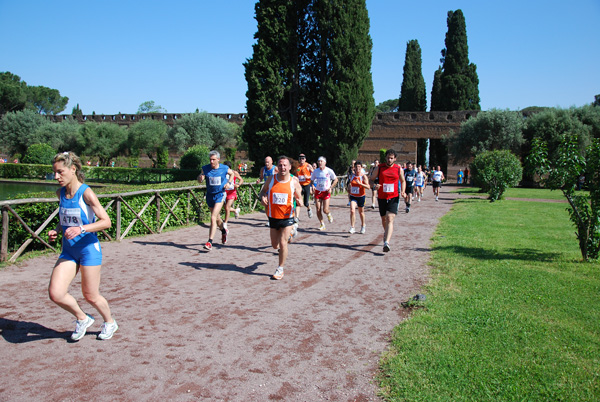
(324,180)
(386,178)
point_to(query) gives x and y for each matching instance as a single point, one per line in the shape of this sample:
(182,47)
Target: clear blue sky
(110,56)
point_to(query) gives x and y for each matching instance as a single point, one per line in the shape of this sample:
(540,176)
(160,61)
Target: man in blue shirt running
(217,177)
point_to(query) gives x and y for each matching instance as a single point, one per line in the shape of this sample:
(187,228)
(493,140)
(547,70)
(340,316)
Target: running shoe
(237,213)
(386,246)
(322,227)
(373,206)
(329,217)
(309,213)
(208,246)
(278,274)
(352,230)
(81,327)
(224,233)
(436,198)
(363,230)
(407,209)
(108,330)
(294,233)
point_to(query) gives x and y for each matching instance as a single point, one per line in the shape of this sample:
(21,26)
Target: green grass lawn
(511,313)
(539,193)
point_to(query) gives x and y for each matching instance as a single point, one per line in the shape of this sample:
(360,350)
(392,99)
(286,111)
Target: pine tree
(413,95)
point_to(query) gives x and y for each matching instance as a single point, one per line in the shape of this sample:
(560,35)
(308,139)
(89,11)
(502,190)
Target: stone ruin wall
(397,130)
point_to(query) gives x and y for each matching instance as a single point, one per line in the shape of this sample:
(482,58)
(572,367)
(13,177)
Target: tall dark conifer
(309,80)
(459,81)
(413,95)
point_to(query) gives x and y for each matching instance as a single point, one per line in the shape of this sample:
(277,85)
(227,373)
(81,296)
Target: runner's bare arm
(263,192)
(298,192)
(402,184)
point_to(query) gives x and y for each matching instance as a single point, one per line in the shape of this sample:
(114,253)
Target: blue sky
(111,56)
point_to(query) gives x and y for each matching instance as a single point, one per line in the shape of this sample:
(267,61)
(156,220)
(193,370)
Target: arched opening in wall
(84,118)
(123,117)
(413,116)
(468,116)
(449,117)
(174,117)
(431,116)
(396,116)
(164,117)
(228,117)
(132,117)
(143,117)
(114,118)
(379,117)
(242,116)
(103,117)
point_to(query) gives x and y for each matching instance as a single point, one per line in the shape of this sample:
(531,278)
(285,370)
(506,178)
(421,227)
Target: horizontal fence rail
(139,212)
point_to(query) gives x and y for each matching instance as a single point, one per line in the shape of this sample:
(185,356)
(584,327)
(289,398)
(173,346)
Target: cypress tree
(413,95)
(309,80)
(436,90)
(459,81)
(266,127)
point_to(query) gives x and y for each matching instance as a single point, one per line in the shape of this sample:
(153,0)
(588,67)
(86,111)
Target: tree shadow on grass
(521,254)
(14,331)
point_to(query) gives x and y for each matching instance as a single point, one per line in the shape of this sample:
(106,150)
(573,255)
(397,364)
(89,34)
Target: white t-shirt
(323,178)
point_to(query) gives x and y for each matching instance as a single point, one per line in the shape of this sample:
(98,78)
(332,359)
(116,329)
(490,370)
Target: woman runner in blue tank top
(81,216)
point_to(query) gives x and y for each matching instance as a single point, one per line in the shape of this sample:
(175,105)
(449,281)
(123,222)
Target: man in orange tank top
(390,186)
(304,173)
(277,195)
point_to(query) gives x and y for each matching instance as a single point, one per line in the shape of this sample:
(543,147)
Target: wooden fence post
(118,208)
(157,212)
(4,242)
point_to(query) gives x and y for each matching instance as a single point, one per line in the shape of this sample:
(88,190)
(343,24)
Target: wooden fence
(164,212)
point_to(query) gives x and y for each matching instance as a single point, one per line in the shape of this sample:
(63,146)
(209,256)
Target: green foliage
(148,136)
(39,154)
(195,157)
(563,172)
(77,111)
(24,171)
(309,82)
(491,130)
(413,95)
(495,171)
(18,130)
(46,100)
(63,136)
(150,107)
(458,82)
(162,157)
(13,93)
(202,129)
(104,141)
(390,105)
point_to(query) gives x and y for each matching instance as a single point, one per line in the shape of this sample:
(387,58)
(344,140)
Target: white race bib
(280,198)
(70,217)
(302,178)
(354,190)
(388,187)
(214,180)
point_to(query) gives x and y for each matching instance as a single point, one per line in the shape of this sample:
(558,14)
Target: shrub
(495,171)
(39,154)
(195,157)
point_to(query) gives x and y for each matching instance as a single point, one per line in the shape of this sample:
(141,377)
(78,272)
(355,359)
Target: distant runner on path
(358,183)
(304,173)
(218,177)
(81,216)
(231,196)
(437,176)
(324,179)
(389,176)
(277,195)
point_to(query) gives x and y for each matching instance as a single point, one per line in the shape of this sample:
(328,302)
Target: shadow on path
(25,331)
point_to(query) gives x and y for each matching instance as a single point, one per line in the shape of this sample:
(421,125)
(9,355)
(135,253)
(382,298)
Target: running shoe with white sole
(322,227)
(208,246)
(108,330)
(363,230)
(351,230)
(224,233)
(330,217)
(81,327)
(237,213)
(309,214)
(386,247)
(278,274)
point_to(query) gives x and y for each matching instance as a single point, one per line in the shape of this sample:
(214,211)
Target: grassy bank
(511,313)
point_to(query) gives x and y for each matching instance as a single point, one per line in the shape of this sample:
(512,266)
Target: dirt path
(213,326)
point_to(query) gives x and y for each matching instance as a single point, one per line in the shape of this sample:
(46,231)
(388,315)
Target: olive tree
(496,171)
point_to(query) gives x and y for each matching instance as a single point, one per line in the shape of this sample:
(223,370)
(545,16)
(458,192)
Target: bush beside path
(213,326)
